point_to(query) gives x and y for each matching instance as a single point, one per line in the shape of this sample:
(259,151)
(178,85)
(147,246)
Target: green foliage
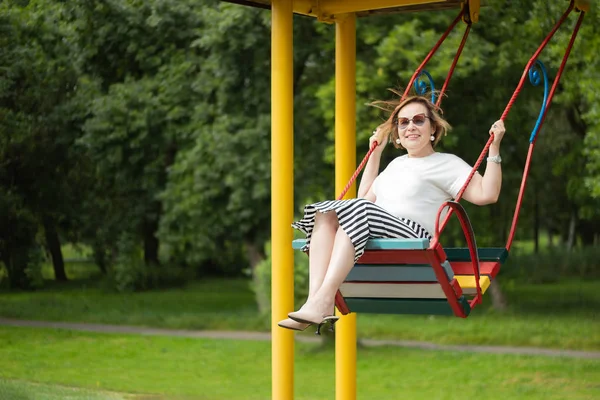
(152,120)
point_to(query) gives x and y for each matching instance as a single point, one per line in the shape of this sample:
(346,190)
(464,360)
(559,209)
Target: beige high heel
(293,325)
(313,318)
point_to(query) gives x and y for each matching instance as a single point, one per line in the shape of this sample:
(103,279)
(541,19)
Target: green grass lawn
(204,369)
(561,315)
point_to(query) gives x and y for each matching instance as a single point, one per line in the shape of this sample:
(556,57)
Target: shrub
(554,264)
(261,280)
(130,272)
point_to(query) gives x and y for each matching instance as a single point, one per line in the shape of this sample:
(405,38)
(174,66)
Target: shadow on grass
(24,390)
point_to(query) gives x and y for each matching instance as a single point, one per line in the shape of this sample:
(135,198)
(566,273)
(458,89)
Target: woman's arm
(483,190)
(365,189)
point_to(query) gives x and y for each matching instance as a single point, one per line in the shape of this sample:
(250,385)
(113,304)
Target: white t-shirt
(415,188)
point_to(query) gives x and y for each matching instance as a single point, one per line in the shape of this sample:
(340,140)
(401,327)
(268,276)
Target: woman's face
(415,130)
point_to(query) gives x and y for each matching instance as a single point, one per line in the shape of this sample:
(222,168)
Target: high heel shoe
(293,325)
(308,317)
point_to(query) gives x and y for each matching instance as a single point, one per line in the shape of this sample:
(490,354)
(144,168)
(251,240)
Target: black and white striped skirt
(361,220)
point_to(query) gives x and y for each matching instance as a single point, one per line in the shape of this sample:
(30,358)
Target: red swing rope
(505,114)
(531,146)
(415,75)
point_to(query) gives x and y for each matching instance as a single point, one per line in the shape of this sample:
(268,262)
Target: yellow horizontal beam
(583,5)
(335,7)
(330,10)
(306,7)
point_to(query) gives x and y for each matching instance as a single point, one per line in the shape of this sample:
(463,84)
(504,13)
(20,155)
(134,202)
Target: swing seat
(407,276)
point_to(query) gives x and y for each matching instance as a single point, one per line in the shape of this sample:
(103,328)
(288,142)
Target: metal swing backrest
(418,276)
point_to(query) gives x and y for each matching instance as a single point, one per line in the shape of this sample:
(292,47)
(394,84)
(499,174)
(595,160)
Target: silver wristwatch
(495,159)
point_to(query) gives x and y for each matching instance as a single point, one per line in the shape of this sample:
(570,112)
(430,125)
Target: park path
(265,336)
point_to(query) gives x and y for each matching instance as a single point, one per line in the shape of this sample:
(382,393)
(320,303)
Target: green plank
(485,254)
(402,306)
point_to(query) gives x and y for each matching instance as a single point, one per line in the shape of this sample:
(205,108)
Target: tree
(37,131)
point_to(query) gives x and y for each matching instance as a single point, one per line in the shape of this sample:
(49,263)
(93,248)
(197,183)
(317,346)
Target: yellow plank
(467,283)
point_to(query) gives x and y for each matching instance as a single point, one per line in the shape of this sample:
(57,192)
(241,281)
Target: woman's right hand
(380,137)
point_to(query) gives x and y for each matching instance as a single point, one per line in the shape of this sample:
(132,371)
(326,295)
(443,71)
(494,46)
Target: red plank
(490,268)
(395,257)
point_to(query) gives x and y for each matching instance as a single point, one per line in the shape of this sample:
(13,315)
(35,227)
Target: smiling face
(414,138)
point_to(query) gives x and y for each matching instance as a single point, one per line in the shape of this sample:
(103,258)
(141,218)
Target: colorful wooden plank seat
(397,276)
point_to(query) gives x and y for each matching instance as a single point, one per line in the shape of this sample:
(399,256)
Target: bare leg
(321,247)
(342,261)
(321,303)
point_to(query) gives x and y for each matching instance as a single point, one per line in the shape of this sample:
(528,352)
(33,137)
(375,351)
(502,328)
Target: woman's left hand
(497,130)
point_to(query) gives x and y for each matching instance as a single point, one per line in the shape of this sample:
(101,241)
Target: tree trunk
(151,243)
(572,226)
(499,301)
(53,245)
(16,264)
(100,257)
(587,230)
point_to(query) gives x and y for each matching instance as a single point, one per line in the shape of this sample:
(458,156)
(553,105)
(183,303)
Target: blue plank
(396,273)
(397,244)
(499,254)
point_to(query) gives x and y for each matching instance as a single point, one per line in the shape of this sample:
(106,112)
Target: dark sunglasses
(418,120)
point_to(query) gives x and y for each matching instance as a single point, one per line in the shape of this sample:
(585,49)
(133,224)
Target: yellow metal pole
(282,198)
(345,165)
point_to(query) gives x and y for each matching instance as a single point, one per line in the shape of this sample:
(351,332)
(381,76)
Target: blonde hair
(389,129)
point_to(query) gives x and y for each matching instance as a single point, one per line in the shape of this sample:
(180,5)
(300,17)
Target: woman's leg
(342,261)
(321,247)
(321,303)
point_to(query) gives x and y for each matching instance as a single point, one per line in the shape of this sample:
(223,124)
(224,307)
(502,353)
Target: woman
(402,201)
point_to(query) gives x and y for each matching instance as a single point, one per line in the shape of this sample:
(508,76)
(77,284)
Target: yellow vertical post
(345,165)
(282,198)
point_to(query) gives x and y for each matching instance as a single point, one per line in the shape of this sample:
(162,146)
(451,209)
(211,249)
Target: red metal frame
(467,228)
